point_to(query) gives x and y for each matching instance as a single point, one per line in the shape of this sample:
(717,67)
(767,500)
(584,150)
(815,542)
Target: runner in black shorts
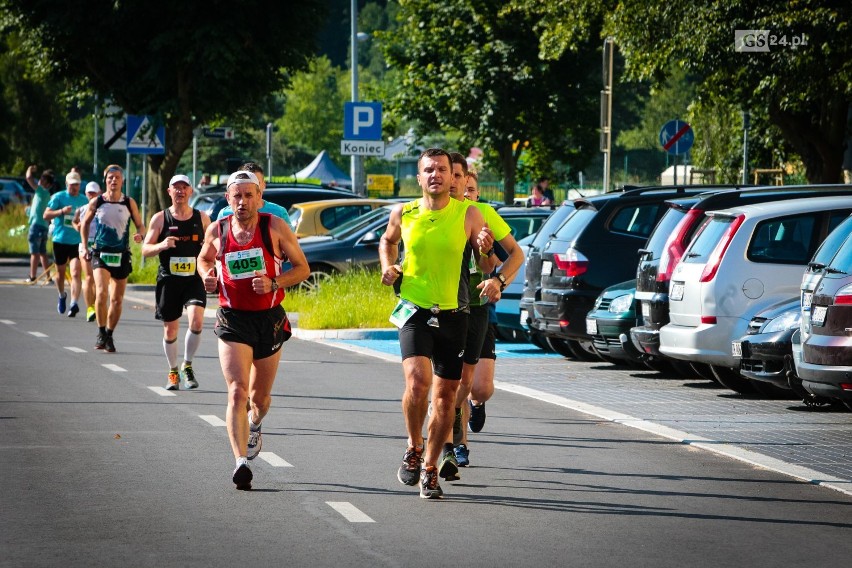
(175,235)
(119,267)
(440,344)
(264,331)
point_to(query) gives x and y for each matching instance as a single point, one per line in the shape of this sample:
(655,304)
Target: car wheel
(703,370)
(772,391)
(539,340)
(847,404)
(560,346)
(685,370)
(583,350)
(312,283)
(657,364)
(731,379)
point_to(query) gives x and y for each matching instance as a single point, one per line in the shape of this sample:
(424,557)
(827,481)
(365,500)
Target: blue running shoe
(462,455)
(60,305)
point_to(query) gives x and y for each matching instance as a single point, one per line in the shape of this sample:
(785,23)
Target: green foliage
(13,230)
(473,67)
(356,299)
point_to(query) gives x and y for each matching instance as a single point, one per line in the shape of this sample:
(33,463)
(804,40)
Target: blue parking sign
(362,121)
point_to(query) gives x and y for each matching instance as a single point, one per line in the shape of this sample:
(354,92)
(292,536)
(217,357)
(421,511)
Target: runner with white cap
(175,235)
(92,190)
(66,239)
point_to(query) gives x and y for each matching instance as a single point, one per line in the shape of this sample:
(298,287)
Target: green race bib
(112,259)
(244,263)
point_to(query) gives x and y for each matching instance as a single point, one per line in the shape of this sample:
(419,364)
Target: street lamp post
(354,161)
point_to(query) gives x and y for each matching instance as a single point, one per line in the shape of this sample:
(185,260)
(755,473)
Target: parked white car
(742,260)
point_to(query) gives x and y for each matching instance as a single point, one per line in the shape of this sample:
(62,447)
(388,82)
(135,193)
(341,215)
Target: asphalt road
(101,467)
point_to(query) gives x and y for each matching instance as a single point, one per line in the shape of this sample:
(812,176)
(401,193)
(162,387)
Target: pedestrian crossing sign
(143,137)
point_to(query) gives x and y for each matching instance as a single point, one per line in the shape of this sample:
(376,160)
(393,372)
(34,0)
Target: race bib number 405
(243,263)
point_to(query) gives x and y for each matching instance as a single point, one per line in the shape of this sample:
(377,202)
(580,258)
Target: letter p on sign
(362,121)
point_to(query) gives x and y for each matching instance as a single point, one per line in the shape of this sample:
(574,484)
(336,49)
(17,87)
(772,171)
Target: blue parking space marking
(504,350)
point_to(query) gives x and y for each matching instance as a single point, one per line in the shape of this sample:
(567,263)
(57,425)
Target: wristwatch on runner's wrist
(502,278)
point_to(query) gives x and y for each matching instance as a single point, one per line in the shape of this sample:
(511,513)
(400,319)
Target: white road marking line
(7,322)
(115,368)
(729,450)
(161,391)
(349,511)
(37,334)
(273,459)
(75,349)
(212,419)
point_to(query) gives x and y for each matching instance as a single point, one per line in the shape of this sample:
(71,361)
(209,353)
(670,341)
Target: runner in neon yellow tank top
(431,334)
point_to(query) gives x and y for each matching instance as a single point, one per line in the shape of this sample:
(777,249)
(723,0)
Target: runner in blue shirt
(66,240)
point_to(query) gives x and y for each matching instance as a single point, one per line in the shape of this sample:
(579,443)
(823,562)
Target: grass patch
(356,299)
(13,231)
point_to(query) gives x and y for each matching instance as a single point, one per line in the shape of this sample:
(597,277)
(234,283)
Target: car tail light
(708,319)
(844,295)
(716,256)
(676,244)
(564,323)
(846,386)
(572,262)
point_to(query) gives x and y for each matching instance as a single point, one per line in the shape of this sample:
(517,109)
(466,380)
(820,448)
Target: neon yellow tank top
(434,244)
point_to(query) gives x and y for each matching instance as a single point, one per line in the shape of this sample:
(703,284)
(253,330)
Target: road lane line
(7,322)
(273,460)
(728,450)
(161,391)
(115,368)
(37,334)
(75,349)
(349,511)
(212,419)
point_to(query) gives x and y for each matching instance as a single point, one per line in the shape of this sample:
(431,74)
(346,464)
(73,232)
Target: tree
(804,90)
(474,66)
(186,63)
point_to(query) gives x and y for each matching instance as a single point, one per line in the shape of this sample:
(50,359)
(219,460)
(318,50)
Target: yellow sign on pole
(380,182)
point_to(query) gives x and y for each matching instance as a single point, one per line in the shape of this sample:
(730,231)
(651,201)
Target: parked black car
(664,248)
(593,248)
(766,350)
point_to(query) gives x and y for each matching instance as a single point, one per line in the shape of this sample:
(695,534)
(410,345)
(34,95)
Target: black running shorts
(174,293)
(476,330)
(265,330)
(62,253)
(444,344)
(119,270)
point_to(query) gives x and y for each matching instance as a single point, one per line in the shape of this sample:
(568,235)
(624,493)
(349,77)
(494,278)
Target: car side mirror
(370,238)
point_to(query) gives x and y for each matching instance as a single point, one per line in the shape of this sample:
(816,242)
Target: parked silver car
(742,260)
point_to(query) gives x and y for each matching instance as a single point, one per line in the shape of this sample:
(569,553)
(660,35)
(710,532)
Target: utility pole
(606,111)
(354,161)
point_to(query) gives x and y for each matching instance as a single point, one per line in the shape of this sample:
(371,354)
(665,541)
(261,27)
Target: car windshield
(294,214)
(664,229)
(549,226)
(708,236)
(842,261)
(354,225)
(829,246)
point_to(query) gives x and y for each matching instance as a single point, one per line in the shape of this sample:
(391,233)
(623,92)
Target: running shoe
(255,441)
(29,280)
(189,380)
(60,305)
(100,342)
(173,383)
(90,314)
(73,310)
(109,345)
(448,467)
(477,417)
(457,428)
(409,471)
(462,455)
(242,477)
(429,487)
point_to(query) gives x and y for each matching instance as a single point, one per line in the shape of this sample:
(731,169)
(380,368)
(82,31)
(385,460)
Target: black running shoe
(109,345)
(409,471)
(448,467)
(429,487)
(100,342)
(477,417)
(73,310)
(242,478)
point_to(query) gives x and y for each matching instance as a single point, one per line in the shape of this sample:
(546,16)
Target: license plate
(818,315)
(676,292)
(807,298)
(737,348)
(546,268)
(591,326)
(524,317)
(646,309)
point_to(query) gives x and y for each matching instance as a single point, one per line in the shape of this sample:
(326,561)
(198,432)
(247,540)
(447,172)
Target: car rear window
(842,261)
(523,226)
(705,241)
(664,229)
(785,240)
(637,220)
(575,223)
(334,216)
(548,228)
(829,246)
